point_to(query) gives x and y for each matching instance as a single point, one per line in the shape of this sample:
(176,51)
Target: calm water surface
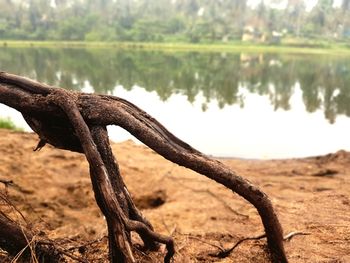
(237,105)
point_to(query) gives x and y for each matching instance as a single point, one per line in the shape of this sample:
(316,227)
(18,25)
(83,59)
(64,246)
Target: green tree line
(170,20)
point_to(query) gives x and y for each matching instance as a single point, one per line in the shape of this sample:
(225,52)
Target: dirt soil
(53,191)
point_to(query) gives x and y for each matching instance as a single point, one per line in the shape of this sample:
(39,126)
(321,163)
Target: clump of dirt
(52,189)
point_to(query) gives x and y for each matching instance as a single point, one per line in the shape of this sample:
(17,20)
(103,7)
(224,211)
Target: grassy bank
(7,123)
(300,48)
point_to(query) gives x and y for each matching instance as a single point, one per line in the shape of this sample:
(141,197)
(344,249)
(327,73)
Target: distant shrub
(7,123)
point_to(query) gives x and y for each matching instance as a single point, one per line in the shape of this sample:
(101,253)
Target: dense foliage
(170,20)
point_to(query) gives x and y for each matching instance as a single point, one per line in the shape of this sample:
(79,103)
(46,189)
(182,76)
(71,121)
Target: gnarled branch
(65,120)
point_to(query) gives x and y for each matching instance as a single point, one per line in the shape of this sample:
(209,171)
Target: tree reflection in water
(324,80)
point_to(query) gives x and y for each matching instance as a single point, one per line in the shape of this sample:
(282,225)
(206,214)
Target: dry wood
(76,121)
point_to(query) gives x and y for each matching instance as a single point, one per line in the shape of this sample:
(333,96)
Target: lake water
(223,104)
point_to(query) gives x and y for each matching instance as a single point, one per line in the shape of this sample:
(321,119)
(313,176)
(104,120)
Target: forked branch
(65,119)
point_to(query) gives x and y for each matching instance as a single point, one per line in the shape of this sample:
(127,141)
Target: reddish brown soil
(53,191)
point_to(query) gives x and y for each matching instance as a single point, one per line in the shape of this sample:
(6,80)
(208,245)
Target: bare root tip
(143,230)
(171,250)
(40,145)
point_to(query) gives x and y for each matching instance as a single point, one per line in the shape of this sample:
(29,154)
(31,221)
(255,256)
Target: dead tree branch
(67,120)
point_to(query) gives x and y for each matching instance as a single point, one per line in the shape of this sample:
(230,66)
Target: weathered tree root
(68,120)
(106,196)
(100,137)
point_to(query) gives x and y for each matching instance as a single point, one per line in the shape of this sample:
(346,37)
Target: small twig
(165,225)
(173,230)
(62,251)
(289,236)
(170,231)
(29,244)
(182,246)
(223,253)
(208,243)
(12,206)
(226,252)
(72,256)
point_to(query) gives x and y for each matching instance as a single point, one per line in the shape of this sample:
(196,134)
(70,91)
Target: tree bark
(73,121)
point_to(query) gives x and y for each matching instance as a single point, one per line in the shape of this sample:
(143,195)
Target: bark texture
(77,122)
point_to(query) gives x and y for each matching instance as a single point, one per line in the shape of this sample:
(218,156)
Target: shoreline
(223,158)
(332,49)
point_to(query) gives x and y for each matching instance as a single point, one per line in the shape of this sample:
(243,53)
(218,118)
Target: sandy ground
(53,191)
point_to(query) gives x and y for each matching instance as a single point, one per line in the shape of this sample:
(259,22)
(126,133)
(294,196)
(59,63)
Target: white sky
(309,3)
(283,3)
